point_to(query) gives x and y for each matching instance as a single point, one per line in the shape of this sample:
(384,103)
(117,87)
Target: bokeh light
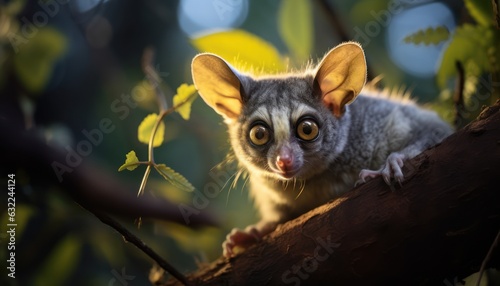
(419,60)
(199,16)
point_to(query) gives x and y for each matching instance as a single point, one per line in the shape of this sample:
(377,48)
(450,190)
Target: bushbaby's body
(305,139)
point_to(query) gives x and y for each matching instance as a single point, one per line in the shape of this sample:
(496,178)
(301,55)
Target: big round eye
(259,134)
(307,129)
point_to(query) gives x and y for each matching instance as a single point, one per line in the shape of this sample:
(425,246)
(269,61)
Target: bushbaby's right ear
(217,84)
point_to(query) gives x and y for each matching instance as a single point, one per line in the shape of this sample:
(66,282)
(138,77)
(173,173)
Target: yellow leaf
(295,24)
(185,97)
(131,162)
(243,50)
(146,127)
(35,59)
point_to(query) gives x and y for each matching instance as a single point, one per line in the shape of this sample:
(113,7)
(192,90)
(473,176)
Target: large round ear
(217,84)
(340,76)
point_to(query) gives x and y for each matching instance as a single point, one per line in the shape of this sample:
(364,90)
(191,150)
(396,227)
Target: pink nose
(284,161)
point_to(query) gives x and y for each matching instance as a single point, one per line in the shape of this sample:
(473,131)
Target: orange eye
(307,130)
(259,135)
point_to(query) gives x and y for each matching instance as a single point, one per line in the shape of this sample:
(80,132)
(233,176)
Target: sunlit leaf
(295,24)
(470,44)
(146,127)
(60,263)
(174,178)
(428,36)
(35,59)
(243,50)
(186,96)
(131,162)
(481,11)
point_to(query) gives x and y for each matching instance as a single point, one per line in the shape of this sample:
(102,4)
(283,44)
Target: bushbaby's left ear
(340,76)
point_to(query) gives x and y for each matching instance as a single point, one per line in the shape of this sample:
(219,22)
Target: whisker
(247,178)
(303,183)
(235,178)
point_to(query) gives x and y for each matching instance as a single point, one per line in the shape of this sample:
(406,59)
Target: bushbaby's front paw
(391,169)
(238,238)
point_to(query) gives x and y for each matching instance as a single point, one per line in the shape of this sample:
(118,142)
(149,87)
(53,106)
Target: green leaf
(185,97)
(146,127)
(481,11)
(243,50)
(60,263)
(131,162)
(35,59)
(473,46)
(295,24)
(428,36)
(174,178)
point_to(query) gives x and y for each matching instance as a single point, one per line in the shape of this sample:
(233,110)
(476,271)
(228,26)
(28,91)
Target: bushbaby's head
(289,126)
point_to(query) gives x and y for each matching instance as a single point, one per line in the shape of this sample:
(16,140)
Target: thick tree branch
(437,227)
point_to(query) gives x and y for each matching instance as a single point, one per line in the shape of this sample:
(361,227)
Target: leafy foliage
(476,48)
(428,36)
(471,45)
(153,125)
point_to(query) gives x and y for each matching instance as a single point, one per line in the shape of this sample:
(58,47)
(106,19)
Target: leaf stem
(155,81)
(144,180)
(153,77)
(151,157)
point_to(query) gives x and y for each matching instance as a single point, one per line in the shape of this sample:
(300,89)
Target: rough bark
(436,228)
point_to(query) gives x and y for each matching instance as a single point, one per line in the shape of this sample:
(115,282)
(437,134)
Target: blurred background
(68,67)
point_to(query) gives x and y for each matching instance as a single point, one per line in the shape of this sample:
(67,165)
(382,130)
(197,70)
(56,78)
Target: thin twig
(142,187)
(153,77)
(487,258)
(458,97)
(130,237)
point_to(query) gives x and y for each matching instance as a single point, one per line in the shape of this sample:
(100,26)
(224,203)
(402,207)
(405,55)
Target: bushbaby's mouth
(286,174)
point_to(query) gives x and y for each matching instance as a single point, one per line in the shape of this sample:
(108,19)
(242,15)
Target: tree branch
(130,237)
(435,228)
